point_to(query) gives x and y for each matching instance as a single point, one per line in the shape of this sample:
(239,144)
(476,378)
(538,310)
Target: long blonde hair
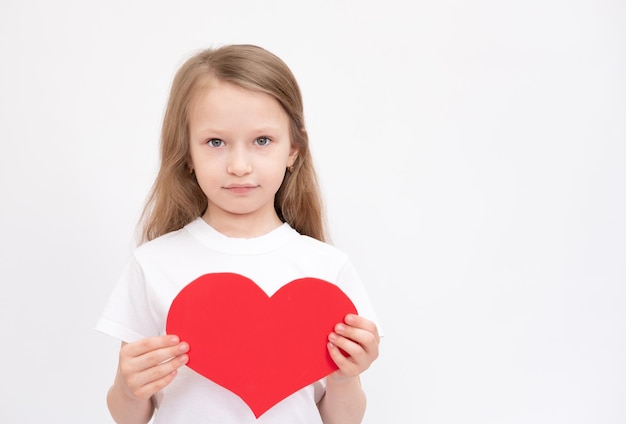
(176,198)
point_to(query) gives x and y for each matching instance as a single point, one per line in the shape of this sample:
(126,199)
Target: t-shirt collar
(215,240)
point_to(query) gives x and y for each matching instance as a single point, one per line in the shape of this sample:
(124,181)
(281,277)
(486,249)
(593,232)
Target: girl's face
(240,147)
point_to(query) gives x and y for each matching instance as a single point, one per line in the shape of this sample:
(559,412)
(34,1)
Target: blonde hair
(176,198)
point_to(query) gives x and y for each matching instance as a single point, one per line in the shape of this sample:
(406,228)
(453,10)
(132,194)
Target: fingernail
(339,328)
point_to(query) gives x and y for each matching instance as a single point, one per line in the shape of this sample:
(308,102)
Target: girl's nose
(238,163)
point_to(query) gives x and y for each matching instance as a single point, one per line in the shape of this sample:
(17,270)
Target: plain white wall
(473,159)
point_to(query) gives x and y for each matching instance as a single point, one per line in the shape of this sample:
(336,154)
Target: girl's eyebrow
(216,130)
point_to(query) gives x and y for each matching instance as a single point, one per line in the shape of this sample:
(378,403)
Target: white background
(472,156)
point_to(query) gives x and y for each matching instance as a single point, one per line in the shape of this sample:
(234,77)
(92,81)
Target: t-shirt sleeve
(128,315)
(351,284)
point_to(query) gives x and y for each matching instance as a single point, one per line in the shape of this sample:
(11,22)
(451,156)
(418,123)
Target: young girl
(236,192)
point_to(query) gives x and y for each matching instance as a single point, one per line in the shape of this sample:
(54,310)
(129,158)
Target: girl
(236,192)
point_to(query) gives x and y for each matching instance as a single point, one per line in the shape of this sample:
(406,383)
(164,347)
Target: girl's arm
(344,400)
(145,367)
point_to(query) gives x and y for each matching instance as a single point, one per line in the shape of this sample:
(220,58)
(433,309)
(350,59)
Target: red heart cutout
(261,348)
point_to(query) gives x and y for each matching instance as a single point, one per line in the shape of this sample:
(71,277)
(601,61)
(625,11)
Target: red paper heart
(261,348)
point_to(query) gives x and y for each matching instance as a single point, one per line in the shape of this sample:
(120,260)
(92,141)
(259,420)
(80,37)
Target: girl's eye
(263,141)
(215,142)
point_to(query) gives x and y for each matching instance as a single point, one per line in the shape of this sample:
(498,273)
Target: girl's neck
(238,226)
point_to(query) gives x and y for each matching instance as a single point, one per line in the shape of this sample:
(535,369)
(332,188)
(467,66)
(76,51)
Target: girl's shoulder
(164,244)
(320,248)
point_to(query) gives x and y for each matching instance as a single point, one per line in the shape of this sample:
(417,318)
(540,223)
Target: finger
(363,323)
(345,364)
(149,352)
(153,365)
(148,344)
(353,349)
(155,357)
(153,375)
(148,390)
(365,338)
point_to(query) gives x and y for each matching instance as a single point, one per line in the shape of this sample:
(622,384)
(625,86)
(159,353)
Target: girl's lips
(240,188)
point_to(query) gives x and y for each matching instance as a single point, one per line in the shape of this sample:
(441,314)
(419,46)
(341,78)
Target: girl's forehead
(214,92)
(205,86)
(224,105)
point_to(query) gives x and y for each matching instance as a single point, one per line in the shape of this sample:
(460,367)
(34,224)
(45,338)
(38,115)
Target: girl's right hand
(148,365)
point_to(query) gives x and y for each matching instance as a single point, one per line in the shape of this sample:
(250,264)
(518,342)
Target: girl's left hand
(358,338)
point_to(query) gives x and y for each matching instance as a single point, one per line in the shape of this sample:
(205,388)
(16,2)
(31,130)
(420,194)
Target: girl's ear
(292,159)
(293,155)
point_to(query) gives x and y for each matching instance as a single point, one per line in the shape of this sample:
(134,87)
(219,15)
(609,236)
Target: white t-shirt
(161,268)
